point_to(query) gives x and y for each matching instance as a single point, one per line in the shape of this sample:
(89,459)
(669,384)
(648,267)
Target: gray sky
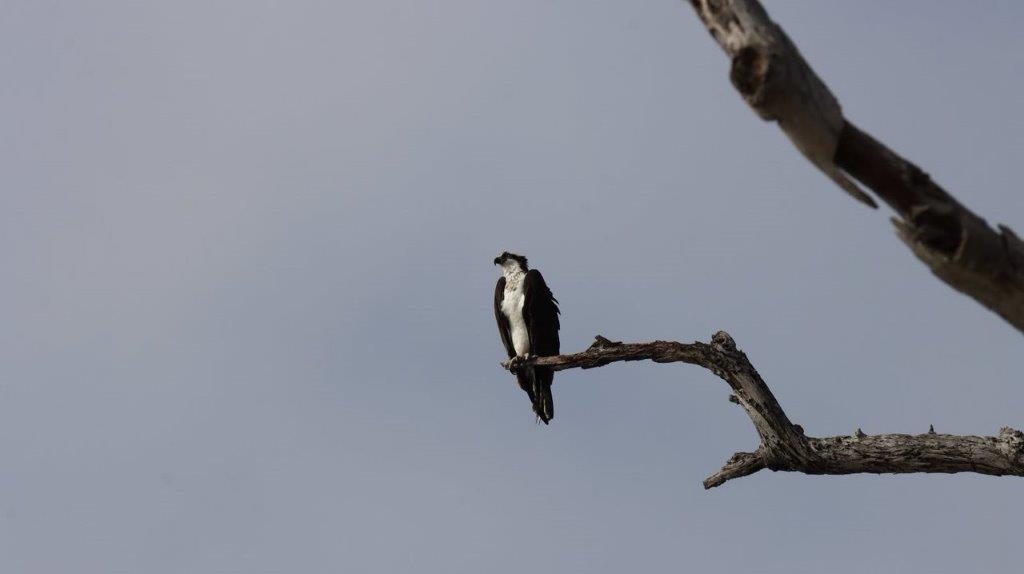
(247,317)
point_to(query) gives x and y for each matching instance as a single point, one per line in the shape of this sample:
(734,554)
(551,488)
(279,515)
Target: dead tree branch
(784,446)
(958,246)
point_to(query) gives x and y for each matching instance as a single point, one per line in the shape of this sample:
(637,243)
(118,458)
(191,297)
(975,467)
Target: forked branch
(784,446)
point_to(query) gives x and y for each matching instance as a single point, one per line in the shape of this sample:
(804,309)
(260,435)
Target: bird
(527,314)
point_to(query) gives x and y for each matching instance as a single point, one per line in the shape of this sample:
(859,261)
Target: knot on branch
(750,71)
(603,343)
(721,341)
(937,226)
(1011,442)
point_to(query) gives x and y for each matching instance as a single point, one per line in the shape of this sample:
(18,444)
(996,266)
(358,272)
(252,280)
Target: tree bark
(958,246)
(783,445)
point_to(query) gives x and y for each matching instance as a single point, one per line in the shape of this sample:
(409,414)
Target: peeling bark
(784,446)
(958,246)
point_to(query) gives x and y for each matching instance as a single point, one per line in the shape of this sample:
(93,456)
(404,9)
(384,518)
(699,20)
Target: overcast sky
(246,322)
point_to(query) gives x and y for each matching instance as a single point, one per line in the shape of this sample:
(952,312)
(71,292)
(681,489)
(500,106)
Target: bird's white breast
(512,308)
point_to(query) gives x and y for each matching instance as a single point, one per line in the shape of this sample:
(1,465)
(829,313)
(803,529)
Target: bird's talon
(515,364)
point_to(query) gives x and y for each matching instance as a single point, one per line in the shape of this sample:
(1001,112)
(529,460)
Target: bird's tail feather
(536,383)
(543,402)
(526,378)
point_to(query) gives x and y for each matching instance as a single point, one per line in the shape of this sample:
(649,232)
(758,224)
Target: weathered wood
(784,446)
(958,246)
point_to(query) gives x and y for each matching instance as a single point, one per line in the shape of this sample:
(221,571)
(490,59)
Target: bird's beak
(497,260)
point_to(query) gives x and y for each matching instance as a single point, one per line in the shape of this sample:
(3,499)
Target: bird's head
(511,262)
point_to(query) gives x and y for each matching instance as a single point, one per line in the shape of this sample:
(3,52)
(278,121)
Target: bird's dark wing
(503,326)
(540,311)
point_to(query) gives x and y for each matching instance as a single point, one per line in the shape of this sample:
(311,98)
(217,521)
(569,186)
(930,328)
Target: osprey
(527,314)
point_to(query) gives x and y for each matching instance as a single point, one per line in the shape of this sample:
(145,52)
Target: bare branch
(739,465)
(784,445)
(958,246)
